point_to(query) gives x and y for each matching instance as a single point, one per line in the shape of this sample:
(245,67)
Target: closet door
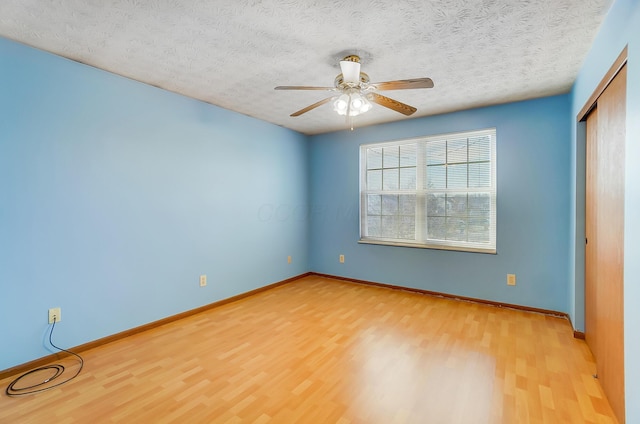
(604,254)
(590,259)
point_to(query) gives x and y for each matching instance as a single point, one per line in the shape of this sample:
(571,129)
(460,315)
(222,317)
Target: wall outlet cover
(55,315)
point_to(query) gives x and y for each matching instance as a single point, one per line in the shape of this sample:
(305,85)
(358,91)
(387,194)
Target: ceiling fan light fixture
(352,104)
(356,103)
(359,103)
(341,104)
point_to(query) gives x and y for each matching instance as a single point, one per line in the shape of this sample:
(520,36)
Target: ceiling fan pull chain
(350,122)
(349,115)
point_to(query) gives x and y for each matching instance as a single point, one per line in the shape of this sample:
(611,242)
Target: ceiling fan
(355,93)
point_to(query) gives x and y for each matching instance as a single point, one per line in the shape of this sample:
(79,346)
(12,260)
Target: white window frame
(421,192)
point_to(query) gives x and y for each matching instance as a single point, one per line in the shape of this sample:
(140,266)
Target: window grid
(457,225)
(455,212)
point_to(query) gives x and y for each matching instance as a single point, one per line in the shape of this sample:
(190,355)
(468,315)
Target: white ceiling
(232,53)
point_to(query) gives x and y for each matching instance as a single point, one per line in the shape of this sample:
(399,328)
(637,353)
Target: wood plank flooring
(319,350)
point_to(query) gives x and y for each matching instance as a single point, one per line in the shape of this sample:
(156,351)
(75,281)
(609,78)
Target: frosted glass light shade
(353,104)
(341,104)
(350,71)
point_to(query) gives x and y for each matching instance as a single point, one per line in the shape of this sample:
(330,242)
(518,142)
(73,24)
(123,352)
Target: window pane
(479,205)
(374,158)
(456,229)
(407,228)
(457,151)
(408,178)
(480,174)
(436,152)
(408,155)
(480,148)
(374,180)
(436,177)
(389,204)
(391,157)
(436,229)
(457,176)
(479,230)
(390,226)
(390,179)
(374,204)
(374,226)
(457,205)
(436,205)
(407,204)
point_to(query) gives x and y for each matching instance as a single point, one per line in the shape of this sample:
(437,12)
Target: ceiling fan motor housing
(339,81)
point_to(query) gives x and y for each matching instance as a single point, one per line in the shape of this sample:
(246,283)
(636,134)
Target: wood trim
(450,296)
(577,334)
(19,369)
(620,61)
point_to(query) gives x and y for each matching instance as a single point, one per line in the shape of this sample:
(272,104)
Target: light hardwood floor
(319,350)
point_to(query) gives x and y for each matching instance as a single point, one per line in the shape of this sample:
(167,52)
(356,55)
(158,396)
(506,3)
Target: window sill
(491,251)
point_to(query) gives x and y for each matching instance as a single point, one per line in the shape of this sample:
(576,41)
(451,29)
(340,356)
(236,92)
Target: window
(433,192)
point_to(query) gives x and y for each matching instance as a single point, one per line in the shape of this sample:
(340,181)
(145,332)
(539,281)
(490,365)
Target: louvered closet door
(604,266)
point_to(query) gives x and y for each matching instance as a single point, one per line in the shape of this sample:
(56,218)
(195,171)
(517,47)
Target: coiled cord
(57,371)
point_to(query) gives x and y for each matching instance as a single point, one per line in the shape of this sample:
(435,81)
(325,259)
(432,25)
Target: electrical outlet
(511,279)
(288,259)
(203,280)
(341,259)
(55,315)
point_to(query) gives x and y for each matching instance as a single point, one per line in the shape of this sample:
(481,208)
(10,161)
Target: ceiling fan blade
(301,87)
(313,106)
(404,84)
(392,104)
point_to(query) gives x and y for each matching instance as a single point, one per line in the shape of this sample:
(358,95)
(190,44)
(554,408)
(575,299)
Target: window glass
(434,192)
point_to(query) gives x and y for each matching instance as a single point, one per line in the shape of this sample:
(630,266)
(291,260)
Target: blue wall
(533,153)
(619,29)
(115,196)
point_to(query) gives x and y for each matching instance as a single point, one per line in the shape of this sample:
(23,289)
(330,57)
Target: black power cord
(57,370)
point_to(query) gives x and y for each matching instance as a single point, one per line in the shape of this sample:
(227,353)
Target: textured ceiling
(232,53)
